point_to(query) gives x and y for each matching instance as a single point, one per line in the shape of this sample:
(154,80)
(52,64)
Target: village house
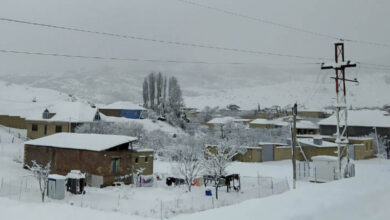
(220,122)
(360,123)
(124,109)
(60,117)
(307,147)
(304,126)
(104,158)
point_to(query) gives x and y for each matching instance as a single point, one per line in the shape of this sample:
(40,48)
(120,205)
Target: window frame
(115,164)
(34,127)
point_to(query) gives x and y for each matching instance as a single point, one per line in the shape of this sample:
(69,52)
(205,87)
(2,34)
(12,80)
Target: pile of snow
(148,124)
(363,118)
(225,120)
(92,142)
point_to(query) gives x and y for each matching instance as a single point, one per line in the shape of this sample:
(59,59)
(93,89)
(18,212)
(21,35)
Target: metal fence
(124,199)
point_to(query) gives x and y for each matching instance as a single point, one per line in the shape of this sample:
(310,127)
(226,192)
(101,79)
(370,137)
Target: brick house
(102,157)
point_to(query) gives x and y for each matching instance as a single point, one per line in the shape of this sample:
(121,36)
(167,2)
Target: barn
(104,158)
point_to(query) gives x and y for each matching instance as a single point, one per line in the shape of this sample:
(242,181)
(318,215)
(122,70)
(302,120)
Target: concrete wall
(251,155)
(13,121)
(282,153)
(51,128)
(91,162)
(364,147)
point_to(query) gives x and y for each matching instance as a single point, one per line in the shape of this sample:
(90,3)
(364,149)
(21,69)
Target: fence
(22,188)
(253,187)
(159,201)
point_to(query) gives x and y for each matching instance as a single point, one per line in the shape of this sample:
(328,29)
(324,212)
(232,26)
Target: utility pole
(294,143)
(341,106)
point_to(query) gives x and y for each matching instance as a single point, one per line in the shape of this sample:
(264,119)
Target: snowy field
(362,197)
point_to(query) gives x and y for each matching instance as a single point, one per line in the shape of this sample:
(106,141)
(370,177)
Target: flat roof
(310,142)
(92,142)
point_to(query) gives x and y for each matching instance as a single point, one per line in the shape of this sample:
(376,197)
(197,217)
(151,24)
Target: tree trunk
(43,196)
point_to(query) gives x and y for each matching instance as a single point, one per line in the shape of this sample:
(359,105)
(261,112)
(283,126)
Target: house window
(136,160)
(45,132)
(146,159)
(34,127)
(115,165)
(58,128)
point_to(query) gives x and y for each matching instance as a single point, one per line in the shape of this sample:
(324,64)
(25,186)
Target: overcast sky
(175,21)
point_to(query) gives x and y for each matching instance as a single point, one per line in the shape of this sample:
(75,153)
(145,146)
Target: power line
(285,26)
(177,43)
(135,59)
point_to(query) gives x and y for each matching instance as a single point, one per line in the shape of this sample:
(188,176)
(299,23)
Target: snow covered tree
(188,163)
(152,90)
(41,173)
(164,94)
(159,88)
(175,99)
(145,93)
(208,113)
(218,157)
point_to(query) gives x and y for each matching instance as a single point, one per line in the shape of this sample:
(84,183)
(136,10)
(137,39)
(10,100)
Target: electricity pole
(341,106)
(294,144)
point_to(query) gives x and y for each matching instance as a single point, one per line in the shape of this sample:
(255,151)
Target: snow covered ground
(362,197)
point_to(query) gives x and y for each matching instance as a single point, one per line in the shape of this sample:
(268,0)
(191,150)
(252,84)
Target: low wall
(13,121)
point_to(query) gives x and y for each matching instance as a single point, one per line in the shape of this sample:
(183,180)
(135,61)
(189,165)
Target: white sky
(176,21)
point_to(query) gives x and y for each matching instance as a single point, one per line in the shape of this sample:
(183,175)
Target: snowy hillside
(20,100)
(312,89)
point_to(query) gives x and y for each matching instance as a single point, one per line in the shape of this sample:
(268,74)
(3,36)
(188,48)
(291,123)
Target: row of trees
(162,94)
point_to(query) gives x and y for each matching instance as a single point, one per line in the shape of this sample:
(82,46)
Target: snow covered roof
(301,124)
(123,105)
(310,142)
(225,120)
(143,150)
(363,118)
(56,177)
(67,112)
(92,142)
(262,121)
(272,143)
(75,174)
(324,158)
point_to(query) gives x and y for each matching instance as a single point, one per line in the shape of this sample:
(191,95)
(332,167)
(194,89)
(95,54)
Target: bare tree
(41,173)
(159,88)
(145,93)
(218,157)
(175,99)
(152,87)
(188,163)
(164,94)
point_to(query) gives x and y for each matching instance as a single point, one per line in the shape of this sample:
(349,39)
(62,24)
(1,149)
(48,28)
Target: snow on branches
(41,173)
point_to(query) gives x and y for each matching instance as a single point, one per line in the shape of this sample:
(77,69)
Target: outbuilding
(124,109)
(102,157)
(326,168)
